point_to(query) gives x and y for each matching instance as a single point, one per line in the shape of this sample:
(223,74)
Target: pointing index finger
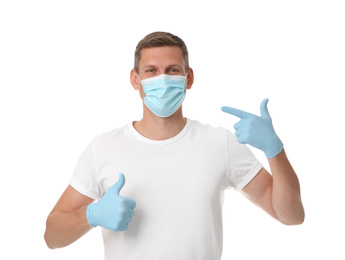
(234,111)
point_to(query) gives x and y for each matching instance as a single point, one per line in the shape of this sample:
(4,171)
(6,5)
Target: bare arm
(67,222)
(278,194)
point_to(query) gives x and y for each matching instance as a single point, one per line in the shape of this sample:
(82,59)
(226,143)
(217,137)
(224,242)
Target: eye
(173,71)
(150,70)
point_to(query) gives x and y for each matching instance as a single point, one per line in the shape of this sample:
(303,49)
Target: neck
(156,128)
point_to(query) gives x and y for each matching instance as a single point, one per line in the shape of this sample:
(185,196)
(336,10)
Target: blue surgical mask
(164,94)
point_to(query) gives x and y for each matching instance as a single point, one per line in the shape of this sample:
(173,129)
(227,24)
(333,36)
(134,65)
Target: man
(176,171)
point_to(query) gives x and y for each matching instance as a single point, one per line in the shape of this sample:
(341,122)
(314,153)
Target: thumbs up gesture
(112,211)
(256,131)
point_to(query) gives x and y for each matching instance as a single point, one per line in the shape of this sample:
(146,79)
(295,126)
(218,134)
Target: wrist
(89,215)
(275,147)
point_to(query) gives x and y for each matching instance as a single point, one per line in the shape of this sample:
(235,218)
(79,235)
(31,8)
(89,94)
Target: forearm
(63,228)
(286,196)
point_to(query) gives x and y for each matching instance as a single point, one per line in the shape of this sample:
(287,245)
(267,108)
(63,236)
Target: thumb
(119,184)
(263,108)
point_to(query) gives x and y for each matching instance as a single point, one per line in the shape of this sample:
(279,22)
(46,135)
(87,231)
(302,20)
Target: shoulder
(108,137)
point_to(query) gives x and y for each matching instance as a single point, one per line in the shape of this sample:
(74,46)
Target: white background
(64,78)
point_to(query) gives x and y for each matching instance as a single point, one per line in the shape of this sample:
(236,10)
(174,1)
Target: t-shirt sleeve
(242,164)
(84,178)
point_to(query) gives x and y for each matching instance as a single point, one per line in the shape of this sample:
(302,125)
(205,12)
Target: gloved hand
(256,131)
(112,211)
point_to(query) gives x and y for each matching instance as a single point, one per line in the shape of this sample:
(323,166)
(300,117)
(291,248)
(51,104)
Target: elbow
(301,219)
(291,213)
(298,219)
(48,236)
(292,222)
(48,243)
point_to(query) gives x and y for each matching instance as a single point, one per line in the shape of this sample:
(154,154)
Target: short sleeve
(242,164)
(84,178)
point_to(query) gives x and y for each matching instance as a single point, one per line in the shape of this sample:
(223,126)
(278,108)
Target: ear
(134,79)
(190,78)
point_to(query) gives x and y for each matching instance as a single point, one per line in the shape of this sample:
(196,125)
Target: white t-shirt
(178,186)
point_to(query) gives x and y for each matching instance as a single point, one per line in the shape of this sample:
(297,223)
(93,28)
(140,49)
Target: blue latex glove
(112,211)
(256,131)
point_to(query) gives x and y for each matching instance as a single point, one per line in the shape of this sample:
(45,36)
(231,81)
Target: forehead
(161,55)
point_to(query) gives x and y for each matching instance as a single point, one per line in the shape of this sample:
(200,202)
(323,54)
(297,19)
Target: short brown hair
(158,39)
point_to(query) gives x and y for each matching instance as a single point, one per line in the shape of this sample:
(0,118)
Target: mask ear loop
(185,78)
(138,78)
(138,87)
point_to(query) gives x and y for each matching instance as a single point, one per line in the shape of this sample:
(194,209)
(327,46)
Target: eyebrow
(174,65)
(149,66)
(170,66)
